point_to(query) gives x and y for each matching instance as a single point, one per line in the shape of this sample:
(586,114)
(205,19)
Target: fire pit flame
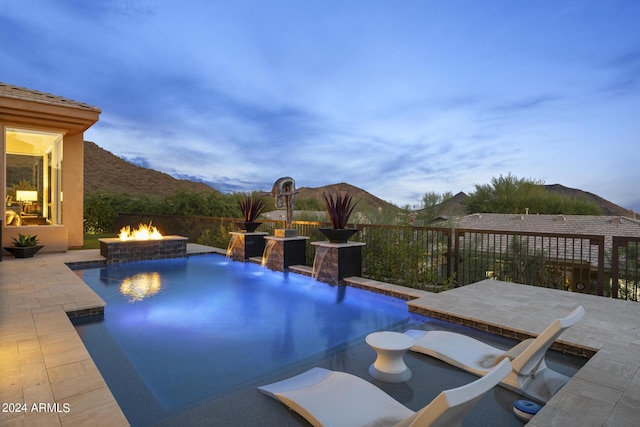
(143,232)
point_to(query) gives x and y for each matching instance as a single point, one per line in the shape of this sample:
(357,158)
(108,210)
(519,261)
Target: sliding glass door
(33,177)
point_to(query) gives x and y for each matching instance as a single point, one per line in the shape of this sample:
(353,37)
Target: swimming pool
(181,336)
(198,326)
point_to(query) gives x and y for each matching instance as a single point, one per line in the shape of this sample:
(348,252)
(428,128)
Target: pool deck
(44,361)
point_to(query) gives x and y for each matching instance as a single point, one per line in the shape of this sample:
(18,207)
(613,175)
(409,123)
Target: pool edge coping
(555,410)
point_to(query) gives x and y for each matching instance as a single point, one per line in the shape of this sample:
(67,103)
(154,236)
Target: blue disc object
(525,409)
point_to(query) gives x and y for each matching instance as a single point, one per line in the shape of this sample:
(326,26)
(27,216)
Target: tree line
(101,209)
(509,195)
(504,194)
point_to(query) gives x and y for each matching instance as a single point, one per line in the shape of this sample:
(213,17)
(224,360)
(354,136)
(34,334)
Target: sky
(399,98)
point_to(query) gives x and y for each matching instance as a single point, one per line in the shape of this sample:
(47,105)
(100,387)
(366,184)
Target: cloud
(526,103)
(106,9)
(398,100)
(626,69)
(138,161)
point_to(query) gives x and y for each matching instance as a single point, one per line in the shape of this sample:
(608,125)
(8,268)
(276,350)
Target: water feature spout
(267,251)
(318,260)
(235,242)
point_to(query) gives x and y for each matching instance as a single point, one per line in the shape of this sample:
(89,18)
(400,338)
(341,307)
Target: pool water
(187,341)
(198,326)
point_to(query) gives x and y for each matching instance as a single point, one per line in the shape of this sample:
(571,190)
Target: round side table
(390,347)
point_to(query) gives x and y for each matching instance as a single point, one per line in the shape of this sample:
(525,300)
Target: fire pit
(143,244)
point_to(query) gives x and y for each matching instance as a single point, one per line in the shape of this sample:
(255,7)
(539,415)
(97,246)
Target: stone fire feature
(117,251)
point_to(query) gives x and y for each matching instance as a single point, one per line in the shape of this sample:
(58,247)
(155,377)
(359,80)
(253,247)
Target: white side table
(390,347)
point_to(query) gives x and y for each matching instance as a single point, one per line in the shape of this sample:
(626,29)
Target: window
(33,177)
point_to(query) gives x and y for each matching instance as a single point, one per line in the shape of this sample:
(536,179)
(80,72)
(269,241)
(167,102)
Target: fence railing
(416,257)
(438,258)
(625,268)
(551,260)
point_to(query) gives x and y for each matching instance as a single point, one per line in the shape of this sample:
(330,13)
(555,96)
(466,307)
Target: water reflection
(140,286)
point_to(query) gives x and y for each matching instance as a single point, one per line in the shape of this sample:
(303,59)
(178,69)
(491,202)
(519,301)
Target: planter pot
(23,251)
(247,227)
(338,235)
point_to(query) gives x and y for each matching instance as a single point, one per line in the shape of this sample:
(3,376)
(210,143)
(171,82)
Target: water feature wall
(243,246)
(283,252)
(335,261)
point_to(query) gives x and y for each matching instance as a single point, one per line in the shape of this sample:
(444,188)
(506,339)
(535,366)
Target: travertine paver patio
(45,362)
(606,391)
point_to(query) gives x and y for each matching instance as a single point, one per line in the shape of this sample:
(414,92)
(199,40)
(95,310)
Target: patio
(45,361)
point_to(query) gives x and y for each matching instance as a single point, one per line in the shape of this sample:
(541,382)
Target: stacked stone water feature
(337,258)
(245,245)
(248,243)
(335,261)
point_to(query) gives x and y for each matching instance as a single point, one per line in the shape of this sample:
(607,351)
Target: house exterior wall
(27,109)
(73,188)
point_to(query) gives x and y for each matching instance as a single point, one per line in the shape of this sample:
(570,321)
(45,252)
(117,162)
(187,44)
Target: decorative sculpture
(284,190)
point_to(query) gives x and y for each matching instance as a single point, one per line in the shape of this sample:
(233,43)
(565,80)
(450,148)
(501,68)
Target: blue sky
(396,97)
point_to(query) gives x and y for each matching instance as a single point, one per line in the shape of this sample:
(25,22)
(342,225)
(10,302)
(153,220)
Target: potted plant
(251,206)
(24,246)
(339,207)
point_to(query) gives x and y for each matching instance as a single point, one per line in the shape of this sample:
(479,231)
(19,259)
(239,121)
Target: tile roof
(561,224)
(24,94)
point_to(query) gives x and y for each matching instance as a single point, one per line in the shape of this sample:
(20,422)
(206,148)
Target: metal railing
(417,257)
(438,258)
(559,261)
(625,268)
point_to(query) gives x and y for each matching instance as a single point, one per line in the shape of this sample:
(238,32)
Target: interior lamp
(26,197)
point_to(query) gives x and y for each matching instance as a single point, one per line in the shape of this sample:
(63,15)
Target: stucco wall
(73,187)
(53,237)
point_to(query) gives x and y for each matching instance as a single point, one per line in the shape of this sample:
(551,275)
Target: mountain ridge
(107,173)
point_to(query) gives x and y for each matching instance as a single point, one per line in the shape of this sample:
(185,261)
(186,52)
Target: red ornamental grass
(339,208)
(251,208)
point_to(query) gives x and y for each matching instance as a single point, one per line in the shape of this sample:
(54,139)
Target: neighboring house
(43,194)
(598,225)
(566,249)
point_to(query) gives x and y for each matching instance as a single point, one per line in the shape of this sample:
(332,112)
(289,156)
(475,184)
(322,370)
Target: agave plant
(339,207)
(251,207)
(25,240)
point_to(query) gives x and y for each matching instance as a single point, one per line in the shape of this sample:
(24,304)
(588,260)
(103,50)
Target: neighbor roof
(561,224)
(24,94)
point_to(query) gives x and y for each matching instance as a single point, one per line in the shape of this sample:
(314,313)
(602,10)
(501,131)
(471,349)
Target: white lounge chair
(334,399)
(530,376)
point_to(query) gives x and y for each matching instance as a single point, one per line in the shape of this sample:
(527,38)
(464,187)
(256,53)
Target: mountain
(456,206)
(359,195)
(107,173)
(608,208)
